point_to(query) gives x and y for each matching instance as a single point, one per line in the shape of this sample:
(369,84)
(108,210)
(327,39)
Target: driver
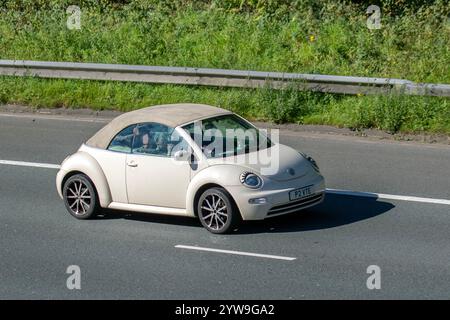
(145,143)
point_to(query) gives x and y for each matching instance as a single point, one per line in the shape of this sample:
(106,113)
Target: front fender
(86,164)
(223,175)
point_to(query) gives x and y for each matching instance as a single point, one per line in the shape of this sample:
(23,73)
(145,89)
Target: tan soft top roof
(171,115)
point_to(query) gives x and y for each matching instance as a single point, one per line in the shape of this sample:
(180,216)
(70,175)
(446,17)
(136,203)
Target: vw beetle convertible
(188,160)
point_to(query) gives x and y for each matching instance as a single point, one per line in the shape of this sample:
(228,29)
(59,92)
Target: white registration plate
(300,193)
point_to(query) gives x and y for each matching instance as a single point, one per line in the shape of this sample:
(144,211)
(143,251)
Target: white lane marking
(242,253)
(30,164)
(332,191)
(388,196)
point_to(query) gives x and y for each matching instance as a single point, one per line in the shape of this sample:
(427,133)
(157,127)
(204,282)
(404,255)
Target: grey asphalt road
(133,256)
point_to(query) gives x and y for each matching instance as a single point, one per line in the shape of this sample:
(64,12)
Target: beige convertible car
(188,160)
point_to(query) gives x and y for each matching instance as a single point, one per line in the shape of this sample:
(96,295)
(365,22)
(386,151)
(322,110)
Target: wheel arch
(199,192)
(83,163)
(219,176)
(68,175)
(205,187)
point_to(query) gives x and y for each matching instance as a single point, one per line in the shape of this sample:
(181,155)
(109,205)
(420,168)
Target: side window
(123,140)
(157,139)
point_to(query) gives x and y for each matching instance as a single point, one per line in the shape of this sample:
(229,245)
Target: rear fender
(84,163)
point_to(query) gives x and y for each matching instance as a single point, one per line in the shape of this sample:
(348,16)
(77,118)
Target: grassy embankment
(315,37)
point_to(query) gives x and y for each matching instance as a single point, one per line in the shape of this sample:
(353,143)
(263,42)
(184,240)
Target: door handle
(132,164)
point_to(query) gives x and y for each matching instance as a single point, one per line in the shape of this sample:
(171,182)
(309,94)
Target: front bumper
(277,197)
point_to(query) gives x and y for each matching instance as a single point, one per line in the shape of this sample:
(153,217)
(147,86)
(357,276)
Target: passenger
(161,144)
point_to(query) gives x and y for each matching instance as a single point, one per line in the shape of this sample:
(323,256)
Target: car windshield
(227,135)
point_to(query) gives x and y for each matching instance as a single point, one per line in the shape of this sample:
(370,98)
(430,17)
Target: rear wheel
(80,197)
(217,211)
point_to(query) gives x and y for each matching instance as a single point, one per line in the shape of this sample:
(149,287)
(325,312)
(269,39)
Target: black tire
(217,211)
(80,197)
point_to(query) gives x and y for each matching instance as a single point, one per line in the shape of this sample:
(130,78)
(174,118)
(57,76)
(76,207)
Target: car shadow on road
(335,211)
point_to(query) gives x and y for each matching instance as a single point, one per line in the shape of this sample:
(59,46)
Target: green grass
(391,113)
(325,37)
(413,46)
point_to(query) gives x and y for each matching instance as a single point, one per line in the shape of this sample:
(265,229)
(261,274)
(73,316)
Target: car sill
(147,209)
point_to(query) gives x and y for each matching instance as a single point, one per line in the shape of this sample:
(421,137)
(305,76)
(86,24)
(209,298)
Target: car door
(153,177)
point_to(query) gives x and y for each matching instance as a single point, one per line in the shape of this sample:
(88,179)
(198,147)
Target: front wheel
(80,197)
(217,211)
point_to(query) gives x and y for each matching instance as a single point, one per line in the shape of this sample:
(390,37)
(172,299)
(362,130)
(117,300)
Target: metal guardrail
(219,77)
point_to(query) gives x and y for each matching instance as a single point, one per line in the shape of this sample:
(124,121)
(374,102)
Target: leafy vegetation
(308,36)
(390,113)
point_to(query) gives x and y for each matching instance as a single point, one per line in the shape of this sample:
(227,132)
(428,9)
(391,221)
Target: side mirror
(181,155)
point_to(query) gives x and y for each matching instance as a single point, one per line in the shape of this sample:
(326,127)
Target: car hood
(280,162)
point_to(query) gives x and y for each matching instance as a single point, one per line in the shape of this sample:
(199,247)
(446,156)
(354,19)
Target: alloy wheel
(79,197)
(214,211)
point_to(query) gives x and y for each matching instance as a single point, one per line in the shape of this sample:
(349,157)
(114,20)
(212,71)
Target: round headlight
(250,180)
